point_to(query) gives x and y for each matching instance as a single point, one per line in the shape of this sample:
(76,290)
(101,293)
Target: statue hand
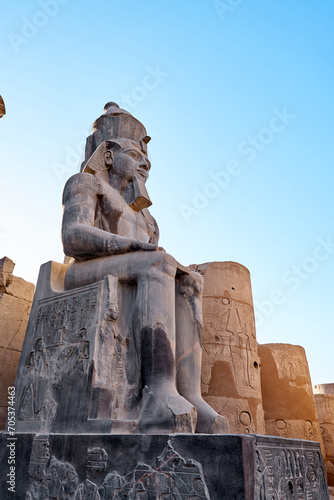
(141,245)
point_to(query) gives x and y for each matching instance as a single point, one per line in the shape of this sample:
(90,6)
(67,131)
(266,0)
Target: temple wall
(16,297)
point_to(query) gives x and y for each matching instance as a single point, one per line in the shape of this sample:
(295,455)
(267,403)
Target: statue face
(131,162)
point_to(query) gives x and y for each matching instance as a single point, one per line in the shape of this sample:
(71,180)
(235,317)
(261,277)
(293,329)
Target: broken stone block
(230,363)
(6,265)
(18,287)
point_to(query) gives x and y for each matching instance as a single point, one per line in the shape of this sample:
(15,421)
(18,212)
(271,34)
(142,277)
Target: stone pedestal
(16,296)
(324,400)
(288,401)
(184,467)
(230,363)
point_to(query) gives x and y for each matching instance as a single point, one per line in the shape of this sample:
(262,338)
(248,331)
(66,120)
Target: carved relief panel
(63,331)
(169,477)
(294,472)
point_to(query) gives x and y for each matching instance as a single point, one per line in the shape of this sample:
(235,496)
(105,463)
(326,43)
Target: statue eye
(134,154)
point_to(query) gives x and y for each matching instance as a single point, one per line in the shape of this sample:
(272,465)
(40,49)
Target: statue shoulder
(78,181)
(81,185)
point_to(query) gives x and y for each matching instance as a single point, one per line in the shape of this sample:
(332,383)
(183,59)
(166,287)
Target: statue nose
(144,166)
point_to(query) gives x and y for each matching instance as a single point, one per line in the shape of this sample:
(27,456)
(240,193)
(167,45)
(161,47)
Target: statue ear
(110,148)
(101,160)
(108,158)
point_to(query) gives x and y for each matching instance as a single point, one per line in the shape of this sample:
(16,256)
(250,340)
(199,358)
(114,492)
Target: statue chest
(114,215)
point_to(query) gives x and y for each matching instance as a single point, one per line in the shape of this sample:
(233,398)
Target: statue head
(118,148)
(126,158)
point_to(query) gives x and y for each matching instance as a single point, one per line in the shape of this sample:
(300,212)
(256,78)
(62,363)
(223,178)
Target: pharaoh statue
(108,231)
(108,389)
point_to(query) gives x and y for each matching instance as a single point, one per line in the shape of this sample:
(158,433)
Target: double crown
(116,123)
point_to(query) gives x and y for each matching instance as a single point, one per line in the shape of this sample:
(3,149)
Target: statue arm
(81,239)
(155,237)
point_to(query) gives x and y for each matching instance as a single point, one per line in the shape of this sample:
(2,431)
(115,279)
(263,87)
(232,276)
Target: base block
(164,467)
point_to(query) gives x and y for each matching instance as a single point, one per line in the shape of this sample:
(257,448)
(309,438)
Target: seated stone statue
(108,231)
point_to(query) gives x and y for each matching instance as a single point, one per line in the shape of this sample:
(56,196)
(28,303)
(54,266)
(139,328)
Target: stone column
(16,297)
(288,401)
(324,400)
(230,363)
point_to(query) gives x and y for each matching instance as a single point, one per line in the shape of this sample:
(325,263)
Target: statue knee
(198,281)
(191,284)
(160,262)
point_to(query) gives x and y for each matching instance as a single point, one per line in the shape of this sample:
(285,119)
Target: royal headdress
(115,123)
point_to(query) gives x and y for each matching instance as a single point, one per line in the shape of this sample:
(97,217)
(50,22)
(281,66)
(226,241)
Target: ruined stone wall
(16,296)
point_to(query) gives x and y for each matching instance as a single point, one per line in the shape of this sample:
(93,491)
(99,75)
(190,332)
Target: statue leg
(163,409)
(189,339)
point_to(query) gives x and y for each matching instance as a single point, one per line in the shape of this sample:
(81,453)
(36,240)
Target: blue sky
(237,97)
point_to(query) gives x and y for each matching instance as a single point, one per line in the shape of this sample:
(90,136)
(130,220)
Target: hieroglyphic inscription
(40,457)
(59,320)
(96,460)
(290,473)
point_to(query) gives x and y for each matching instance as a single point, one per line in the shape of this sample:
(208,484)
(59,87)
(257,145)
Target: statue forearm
(85,242)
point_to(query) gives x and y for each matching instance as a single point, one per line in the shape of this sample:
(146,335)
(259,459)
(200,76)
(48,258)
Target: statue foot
(166,413)
(163,409)
(208,420)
